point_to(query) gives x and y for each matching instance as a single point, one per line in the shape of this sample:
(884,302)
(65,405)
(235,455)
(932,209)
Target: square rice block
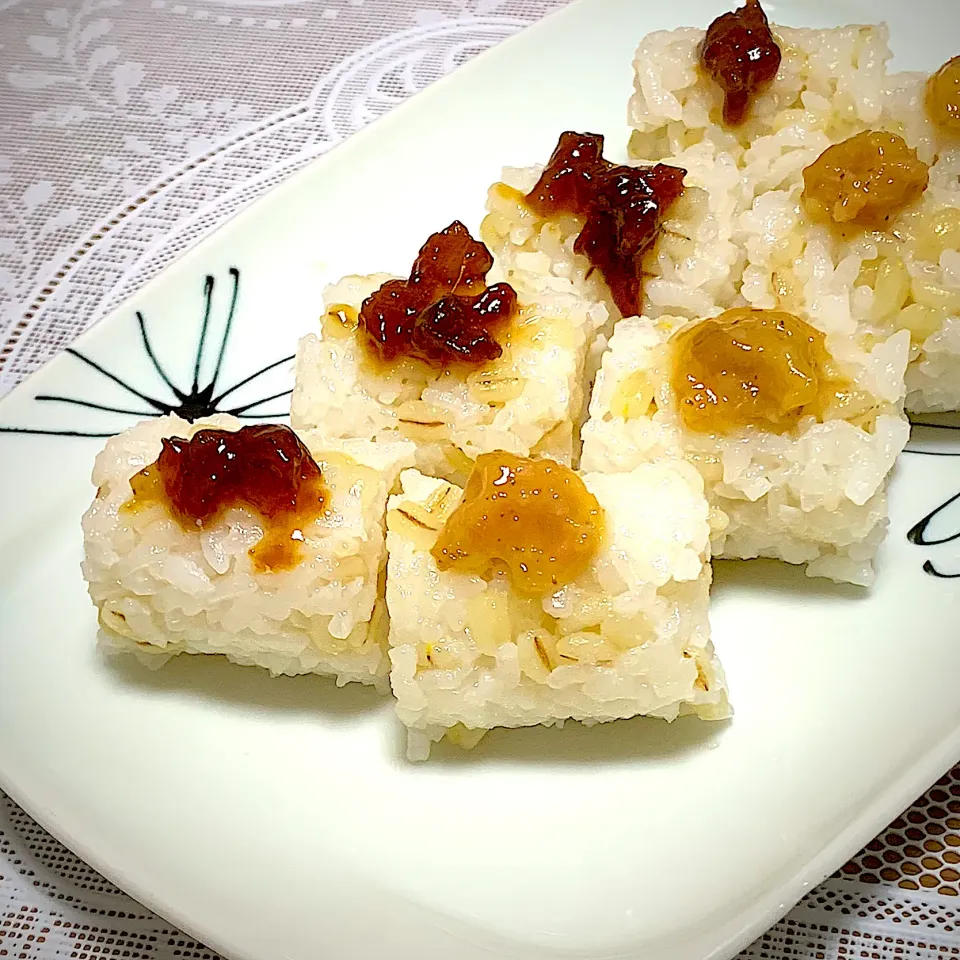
(814,495)
(629,636)
(161,590)
(832,84)
(692,270)
(526,401)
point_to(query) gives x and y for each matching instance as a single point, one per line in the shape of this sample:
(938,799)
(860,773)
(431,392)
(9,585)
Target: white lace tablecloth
(131,128)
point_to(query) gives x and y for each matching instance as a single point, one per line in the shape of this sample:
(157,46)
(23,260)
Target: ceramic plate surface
(277,818)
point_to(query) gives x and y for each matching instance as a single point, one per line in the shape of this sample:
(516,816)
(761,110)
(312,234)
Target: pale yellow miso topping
(942,100)
(535,519)
(864,181)
(745,367)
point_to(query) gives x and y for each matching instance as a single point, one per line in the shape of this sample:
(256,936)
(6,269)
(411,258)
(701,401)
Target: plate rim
(738,932)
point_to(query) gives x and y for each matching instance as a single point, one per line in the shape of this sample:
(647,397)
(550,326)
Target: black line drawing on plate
(917,534)
(199,401)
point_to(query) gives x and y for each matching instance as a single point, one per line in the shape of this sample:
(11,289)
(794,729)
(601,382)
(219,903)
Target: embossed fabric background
(131,128)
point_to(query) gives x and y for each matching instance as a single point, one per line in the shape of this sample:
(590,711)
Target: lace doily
(123,141)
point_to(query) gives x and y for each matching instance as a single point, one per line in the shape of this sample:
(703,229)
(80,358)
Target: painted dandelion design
(919,533)
(196,402)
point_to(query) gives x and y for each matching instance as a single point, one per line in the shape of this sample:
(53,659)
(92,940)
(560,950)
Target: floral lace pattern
(122,143)
(155,161)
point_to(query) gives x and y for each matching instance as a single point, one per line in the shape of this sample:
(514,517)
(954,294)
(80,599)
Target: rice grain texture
(863,284)
(525,401)
(815,494)
(161,590)
(629,636)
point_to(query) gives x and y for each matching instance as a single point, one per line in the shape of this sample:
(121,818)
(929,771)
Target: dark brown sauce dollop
(623,206)
(740,54)
(444,313)
(264,467)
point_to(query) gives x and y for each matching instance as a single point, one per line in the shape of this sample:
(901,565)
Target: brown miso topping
(943,97)
(444,313)
(534,518)
(569,181)
(265,468)
(624,208)
(762,368)
(740,54)
(864,181)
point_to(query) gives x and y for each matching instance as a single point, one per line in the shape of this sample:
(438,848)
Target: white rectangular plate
(276,818)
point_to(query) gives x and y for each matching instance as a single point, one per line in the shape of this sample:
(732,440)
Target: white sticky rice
(162,591)
(813,495)
(396,442)
(629,636)
(832,84)
(525,402)
(693,269)
(536,253)
(837,74)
